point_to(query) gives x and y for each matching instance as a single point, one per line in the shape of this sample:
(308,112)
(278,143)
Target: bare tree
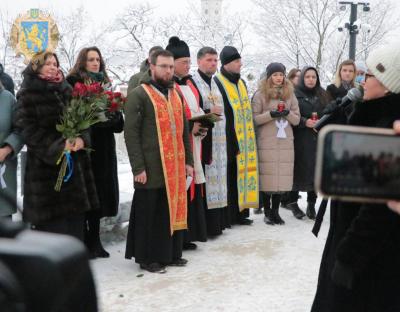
(305,31)
(5,27)
(75,34)
(300,29)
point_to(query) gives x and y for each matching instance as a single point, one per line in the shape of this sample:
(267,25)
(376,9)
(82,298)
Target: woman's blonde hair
(270,91)
(338,79)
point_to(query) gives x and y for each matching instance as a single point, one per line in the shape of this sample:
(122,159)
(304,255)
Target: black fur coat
(40,105)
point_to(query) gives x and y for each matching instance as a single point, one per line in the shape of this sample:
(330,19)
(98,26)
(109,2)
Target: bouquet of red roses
(87,107)
(116,101)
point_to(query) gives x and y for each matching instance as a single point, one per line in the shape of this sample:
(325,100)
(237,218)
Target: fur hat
(384,63)
(229,54)
(275,68)
(178,47)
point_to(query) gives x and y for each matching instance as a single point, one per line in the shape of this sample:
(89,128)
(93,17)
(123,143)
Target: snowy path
(256,268)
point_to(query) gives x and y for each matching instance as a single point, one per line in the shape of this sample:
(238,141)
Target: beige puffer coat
(275,155)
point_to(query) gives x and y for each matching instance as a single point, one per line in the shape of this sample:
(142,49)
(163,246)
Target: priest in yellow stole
(240,136)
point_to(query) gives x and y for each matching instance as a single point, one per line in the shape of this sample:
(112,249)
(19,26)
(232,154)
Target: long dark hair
(79,68)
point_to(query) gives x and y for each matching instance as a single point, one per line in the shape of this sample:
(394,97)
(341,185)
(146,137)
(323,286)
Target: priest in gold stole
(240,138)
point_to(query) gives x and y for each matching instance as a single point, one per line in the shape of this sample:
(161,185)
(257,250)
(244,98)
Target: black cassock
(149,237)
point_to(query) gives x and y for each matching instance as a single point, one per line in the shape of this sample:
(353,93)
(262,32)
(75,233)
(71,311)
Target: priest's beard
(162,82)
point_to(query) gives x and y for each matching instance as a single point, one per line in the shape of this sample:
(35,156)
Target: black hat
(178,47)
(275,68)
(229,54)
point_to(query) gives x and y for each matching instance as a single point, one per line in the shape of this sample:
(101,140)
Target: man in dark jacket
(157,140)
(6,80)
(144,68)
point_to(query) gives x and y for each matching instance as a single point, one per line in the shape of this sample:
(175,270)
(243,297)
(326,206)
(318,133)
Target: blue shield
(36,35)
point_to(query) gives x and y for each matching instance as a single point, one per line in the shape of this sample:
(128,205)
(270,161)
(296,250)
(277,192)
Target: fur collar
(32,83)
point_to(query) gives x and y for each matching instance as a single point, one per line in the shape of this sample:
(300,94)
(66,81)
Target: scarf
(57,78)
(98,77)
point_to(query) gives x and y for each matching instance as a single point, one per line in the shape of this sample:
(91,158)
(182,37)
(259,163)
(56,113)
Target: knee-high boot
(276,199)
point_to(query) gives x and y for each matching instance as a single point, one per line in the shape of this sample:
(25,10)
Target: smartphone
(358,164)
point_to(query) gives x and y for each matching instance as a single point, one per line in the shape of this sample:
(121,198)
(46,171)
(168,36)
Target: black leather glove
(275,114)
(285,112)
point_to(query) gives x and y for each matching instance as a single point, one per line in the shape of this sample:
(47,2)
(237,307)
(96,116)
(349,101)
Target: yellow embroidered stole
(170,125)
(247,171)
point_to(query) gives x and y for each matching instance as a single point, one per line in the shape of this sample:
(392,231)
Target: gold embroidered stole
(170,125)
(246,160)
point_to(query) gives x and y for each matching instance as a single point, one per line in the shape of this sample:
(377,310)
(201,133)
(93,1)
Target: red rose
(80,89)
(113,107)
(95,88)
(117,94)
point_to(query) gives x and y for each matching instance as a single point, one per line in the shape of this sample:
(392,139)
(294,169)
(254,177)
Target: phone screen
(361,165)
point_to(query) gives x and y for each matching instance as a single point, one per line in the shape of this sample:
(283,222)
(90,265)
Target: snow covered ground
(248,268)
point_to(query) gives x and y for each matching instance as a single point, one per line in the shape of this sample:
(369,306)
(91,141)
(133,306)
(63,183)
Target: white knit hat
(384,63)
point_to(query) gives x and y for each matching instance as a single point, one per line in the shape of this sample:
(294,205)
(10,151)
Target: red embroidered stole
(188,116)
(170,125)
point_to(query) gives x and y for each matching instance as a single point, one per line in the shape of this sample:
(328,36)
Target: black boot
(259,210)
(297,212)
(276,218)
(285,199)
(92,237)
(310,212)
(267,209)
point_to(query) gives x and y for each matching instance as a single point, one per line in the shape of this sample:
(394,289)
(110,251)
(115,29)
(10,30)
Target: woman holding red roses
(42,99)
(89,69)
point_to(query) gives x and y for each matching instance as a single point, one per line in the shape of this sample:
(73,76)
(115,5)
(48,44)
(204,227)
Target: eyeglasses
(367,75)
(165,66)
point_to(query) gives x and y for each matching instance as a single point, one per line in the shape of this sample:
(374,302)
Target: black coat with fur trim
(40,105)
(360,267)
(104,158)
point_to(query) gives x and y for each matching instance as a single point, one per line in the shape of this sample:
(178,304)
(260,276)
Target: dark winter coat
(8,136)
(104,158)
(40,105)
(335,94)
(360,268)
(6,80)
(135,80)
(141,137)
(305,139)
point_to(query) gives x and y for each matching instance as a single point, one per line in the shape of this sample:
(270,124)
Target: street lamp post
(352,26)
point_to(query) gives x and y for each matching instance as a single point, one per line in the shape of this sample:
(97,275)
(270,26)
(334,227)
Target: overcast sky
(106,10)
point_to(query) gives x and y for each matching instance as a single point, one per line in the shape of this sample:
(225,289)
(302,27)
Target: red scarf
(57,78)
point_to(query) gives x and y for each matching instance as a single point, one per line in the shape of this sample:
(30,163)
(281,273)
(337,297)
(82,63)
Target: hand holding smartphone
(358,164)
